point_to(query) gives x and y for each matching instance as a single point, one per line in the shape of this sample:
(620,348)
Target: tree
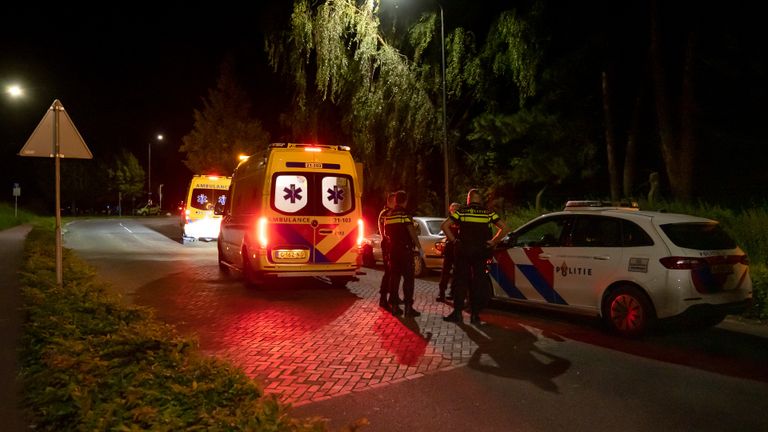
(224,129)
(678,143)
(352,86)
(125,175)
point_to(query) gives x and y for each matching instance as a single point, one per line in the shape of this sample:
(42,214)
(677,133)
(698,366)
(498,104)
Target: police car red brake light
(682,263)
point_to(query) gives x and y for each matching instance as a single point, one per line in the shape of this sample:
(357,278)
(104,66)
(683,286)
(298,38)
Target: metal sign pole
(65,142)
(56,149)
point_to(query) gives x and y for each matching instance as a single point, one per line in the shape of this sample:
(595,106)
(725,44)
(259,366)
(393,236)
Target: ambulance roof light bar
(307,147)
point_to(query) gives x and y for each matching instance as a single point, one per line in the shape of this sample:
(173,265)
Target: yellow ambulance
(204,195)
(294,212)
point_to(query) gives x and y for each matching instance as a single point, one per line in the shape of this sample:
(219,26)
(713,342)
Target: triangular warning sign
(49,132)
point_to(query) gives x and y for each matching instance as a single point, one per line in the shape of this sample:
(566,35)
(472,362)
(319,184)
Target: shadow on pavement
(716,349)
(512,352)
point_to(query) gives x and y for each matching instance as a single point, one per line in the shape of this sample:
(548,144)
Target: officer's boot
(383,303)
(440,294)
(394,308)
(410,311)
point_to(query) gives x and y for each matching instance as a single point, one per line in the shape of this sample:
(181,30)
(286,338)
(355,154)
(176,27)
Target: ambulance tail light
(313,149)
(261,232)
(682,263)
(360,232)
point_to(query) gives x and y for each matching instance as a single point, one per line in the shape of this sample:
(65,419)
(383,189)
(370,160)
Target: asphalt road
(333,353)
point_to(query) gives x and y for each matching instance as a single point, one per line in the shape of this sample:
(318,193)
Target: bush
(91,363)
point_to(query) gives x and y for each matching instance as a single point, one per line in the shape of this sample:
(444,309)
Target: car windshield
(700,236)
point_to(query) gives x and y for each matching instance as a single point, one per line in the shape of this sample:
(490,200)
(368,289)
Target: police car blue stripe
(540,284)
(505,282)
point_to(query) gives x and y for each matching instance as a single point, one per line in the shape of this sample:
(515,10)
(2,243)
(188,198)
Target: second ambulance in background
(204,195)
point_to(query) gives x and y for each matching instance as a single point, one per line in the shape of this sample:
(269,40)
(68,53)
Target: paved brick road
(309,341)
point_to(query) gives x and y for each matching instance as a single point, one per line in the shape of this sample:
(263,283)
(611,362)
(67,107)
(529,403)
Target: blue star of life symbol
(336,194)
(202,198)
(292,194)
(222,199)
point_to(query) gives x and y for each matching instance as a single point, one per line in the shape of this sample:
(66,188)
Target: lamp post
(445,121)
(445,124)
(149,169)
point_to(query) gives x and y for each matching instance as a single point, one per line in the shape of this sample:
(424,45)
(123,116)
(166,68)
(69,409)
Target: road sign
(57,137)
(42,142)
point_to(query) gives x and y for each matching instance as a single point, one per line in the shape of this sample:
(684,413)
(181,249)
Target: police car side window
(596,231)
(546,233)
(632,235)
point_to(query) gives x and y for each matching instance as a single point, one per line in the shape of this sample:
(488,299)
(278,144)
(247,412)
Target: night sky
(126,71)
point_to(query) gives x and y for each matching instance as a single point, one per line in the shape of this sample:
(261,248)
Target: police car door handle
(545,256)
(602,257)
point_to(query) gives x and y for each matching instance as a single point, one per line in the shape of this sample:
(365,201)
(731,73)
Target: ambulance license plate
(291,254)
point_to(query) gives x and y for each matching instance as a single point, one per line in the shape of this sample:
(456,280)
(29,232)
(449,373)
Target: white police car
(629,267)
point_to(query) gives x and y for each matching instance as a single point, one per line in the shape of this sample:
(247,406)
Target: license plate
(291,254)
(721,269)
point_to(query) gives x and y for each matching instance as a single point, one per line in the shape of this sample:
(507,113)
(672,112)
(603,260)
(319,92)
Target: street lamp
(445,124)
(14,90)
(149,169)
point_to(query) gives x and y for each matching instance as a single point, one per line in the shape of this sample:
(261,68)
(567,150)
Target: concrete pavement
(11,320)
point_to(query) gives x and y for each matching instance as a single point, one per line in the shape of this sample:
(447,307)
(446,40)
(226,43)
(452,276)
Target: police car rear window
(700,236)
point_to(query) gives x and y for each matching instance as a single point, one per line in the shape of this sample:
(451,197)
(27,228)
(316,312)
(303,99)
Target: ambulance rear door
(315,218)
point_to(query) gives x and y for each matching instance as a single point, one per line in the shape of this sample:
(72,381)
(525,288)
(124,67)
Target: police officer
(448,257)
(474,247)
(398,226)
(384,286)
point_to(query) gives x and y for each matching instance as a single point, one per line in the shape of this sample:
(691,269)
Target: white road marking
(126,228)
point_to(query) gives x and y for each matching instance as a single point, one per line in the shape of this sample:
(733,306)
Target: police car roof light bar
(601,205)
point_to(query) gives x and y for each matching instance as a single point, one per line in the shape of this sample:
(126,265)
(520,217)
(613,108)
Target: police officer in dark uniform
(384,286)
(448,258)
(398,226)
(474,247)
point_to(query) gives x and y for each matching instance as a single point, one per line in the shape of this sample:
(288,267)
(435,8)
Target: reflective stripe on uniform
(397,219)
(475,218)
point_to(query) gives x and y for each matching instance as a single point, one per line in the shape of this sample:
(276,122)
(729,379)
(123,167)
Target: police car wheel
(628,312)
